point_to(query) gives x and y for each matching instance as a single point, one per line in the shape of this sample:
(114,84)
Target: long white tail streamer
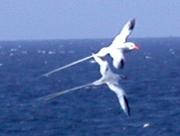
(50,96)
(66,66)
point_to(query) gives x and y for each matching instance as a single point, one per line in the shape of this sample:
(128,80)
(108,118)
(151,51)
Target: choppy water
(153,90)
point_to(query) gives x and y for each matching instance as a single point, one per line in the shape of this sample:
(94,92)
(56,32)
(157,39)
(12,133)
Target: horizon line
(57,39)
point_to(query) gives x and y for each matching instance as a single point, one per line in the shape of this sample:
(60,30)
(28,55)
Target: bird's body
(116,50)
(111,79)
(119,46)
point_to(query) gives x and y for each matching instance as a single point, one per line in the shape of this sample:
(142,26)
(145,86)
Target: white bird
(119,46)
(109,78)
(116,49)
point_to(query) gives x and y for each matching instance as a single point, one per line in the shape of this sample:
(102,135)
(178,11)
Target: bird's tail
(66,66)
(50,96)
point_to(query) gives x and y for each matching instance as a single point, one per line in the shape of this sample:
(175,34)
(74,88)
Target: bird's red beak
(137,47)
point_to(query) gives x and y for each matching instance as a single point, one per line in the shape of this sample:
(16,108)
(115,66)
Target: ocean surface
(152,88)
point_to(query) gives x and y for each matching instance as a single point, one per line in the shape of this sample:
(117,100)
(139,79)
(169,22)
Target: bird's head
(131,46)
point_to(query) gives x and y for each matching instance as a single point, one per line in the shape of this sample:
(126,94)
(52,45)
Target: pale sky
(81,19)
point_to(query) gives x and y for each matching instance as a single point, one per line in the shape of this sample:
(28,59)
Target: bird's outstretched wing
(123,35)
(125,105)
(103,64)
(118,58)
(123,101)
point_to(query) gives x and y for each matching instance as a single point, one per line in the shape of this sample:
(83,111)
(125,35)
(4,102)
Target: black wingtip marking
(127,106)
(132,24)
(121,64)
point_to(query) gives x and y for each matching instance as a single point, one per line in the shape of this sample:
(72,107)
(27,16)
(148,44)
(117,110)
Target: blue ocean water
(153,90)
